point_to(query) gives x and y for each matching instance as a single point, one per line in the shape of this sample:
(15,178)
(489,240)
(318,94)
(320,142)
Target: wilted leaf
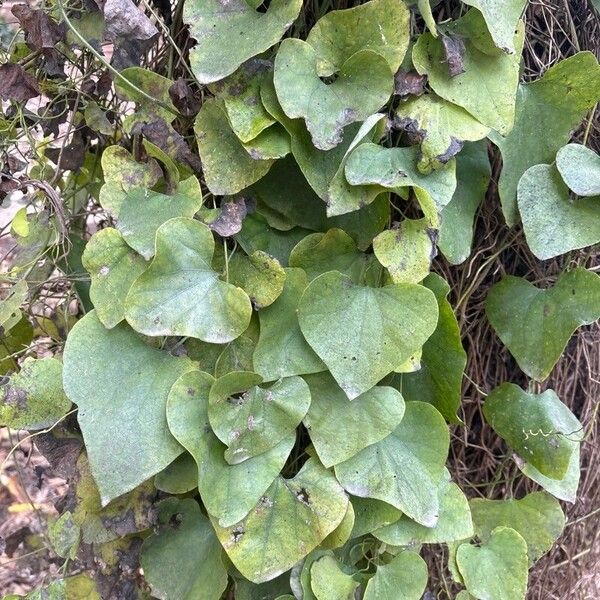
(404,469)
(405,576)
(16,84)
(183,98)
(538,427)
(186,538)
(409,83)
(340,428)
(535,324)
(229,33)
(41,31)
(580,169)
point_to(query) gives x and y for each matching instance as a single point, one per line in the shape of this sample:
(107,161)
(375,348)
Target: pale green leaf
(64,534)
(554,223)
(538,427)
(547,111)
(496,570)
(329,582)
(228,492)
(536,324)
(281,350)
(34,398)
(251,419)
(113,267)
(537,517)
(229,34)
(405,468)
(115,378)
(340,428)
(272,143)
(228,167)
(405,576)
(292,518)
(425,10)
(182,558)
(406,251)
(180,294)
(371,514)
(123,171)
(388,325)
(341,534)
(486,89)
(363,85)
(580,169)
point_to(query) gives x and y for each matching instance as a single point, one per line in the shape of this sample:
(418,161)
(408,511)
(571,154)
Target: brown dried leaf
(41,31)
(409,83)
(183,98)
(454,51)
(16,84)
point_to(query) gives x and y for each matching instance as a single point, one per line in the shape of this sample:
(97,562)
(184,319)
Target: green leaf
(580,169)
(260,275)
(113,267)
(405,576)
(329,582)
(473,172)
(538,427)
(454,522)
(121,170)
(228,167)
(228,35)
(251,419)
(63,534)
(407,250)
(554,223)
(272,143)
(405,468)
(228,492)
(143,212)
(363,85)
(180,477)
(34,398)
(241,96)
(440,127)
(293,517)
(121,403)
(547,111)
(371,514)
(180,294)
(424,7)
(388,325)
(382,26)
(487,88)
(281,350)
(537,517)
(334,250)
(182,560)
(340,428)
(535,324)
(396,168)
(271,590)
(443,360)
(237,355)
(501,20)
(496,570)
(341,534)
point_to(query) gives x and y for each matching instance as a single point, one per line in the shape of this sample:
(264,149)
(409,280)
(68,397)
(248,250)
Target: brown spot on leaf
(454,51)
(453,149)
(237,533)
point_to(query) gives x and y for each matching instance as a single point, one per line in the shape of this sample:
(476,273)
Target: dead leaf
(227,220)
(183,98)
(454,51)
(41,31)
(16,84)
(71,157)
(409,83)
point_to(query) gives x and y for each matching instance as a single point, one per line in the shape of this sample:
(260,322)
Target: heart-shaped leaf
(184,537)
(215,26)
(537,517)
(487,86)
(501,20)
(113,267)
(498,568)
(329,582)
(539,427)
(382,26)
(34,398)
(580,169)
(293,517)
(566,92)
(405,576)
(251,419)
(120,169)
(553,223)
(454,522)
(371,514)
(228,167)
(439,126)
(388,325)
(143,212)
(363,85)
(114,377)
(281,350)
(534,324)
(406,251)
(180,294)
(406,468)
(340,428)
(229,492)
